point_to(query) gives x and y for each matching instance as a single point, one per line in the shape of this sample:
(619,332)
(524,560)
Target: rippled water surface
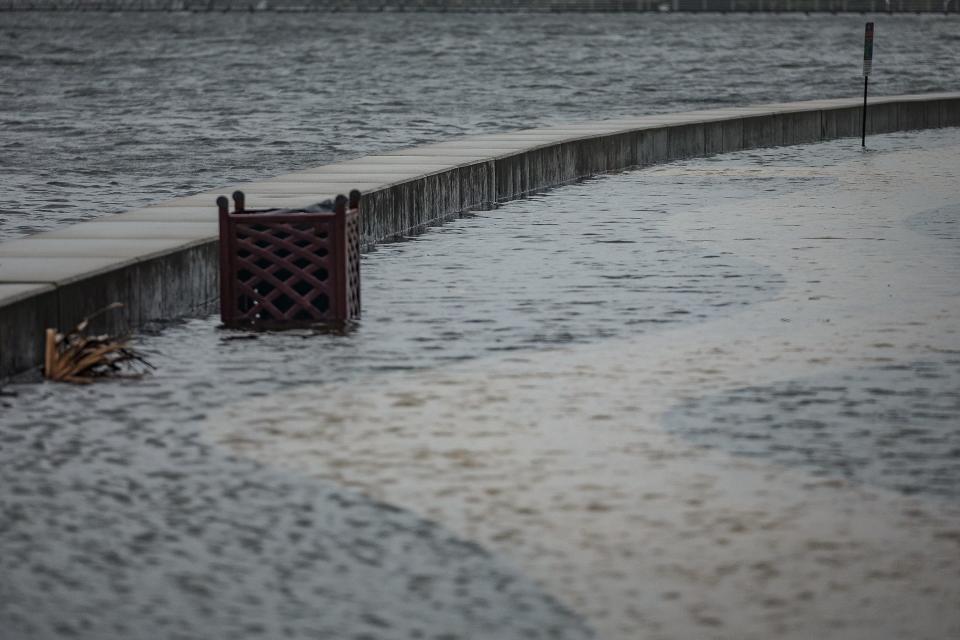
(102,113)
(121,517)
(895,426)
(111,495)
(115,505)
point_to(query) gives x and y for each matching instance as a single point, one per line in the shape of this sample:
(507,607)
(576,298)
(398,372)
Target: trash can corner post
(223,206)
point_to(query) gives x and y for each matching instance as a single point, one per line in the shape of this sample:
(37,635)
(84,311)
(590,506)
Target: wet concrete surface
(508,446)
(574,461)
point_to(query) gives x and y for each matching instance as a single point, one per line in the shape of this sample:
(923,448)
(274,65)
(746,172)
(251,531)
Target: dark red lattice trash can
(285,268)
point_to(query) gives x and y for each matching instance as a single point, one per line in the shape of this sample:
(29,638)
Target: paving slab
(416,157)
(837,103)
(611,125)
(813,105)
(752,108)
(706,116)
(197,200)
(372,168)
(118,227)
(470,144)
(55,270)
(565,133)
(42,246)
(916,97)
(266,200)
(170,214)
(467,153)
(512,134)
(673,121)
(533,135)
(324,180)
(334,185)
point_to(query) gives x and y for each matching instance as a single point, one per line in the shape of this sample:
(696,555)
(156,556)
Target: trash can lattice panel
(353,260)
(281,268)
(282,272)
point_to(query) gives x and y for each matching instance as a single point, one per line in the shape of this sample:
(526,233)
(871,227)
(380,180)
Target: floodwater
(101,113)
(786,468)
(717,398)
(549,423)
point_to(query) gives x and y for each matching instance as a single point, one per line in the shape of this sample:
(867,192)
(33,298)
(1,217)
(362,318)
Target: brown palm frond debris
(79,358)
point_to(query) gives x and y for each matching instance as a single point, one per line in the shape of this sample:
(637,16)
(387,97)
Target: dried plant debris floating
(79,358)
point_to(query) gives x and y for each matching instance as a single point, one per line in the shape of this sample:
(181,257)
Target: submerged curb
(162,261)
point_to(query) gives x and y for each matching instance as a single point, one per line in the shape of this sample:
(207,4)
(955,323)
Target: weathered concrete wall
(27,310)
(161,261)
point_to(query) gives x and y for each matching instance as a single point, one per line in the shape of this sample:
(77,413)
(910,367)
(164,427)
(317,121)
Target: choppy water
(102,113)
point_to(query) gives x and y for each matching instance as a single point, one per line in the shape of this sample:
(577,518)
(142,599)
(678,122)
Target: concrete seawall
(161,261)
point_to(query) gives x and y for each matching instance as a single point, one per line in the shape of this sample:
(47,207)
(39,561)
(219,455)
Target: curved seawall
(162,261)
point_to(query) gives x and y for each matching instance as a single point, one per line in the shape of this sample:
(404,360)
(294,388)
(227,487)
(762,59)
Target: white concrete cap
(122,229)
(365,172)
(41,245)
(54,270)
(170,214)
(293,189)
(13,293)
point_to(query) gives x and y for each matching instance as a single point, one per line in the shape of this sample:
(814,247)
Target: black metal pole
(863,130)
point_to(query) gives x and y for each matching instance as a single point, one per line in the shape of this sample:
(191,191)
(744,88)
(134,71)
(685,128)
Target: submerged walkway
(785,469)
(161,261)
(711,399)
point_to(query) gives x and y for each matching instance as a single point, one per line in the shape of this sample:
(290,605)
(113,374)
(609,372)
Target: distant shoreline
(493,6)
